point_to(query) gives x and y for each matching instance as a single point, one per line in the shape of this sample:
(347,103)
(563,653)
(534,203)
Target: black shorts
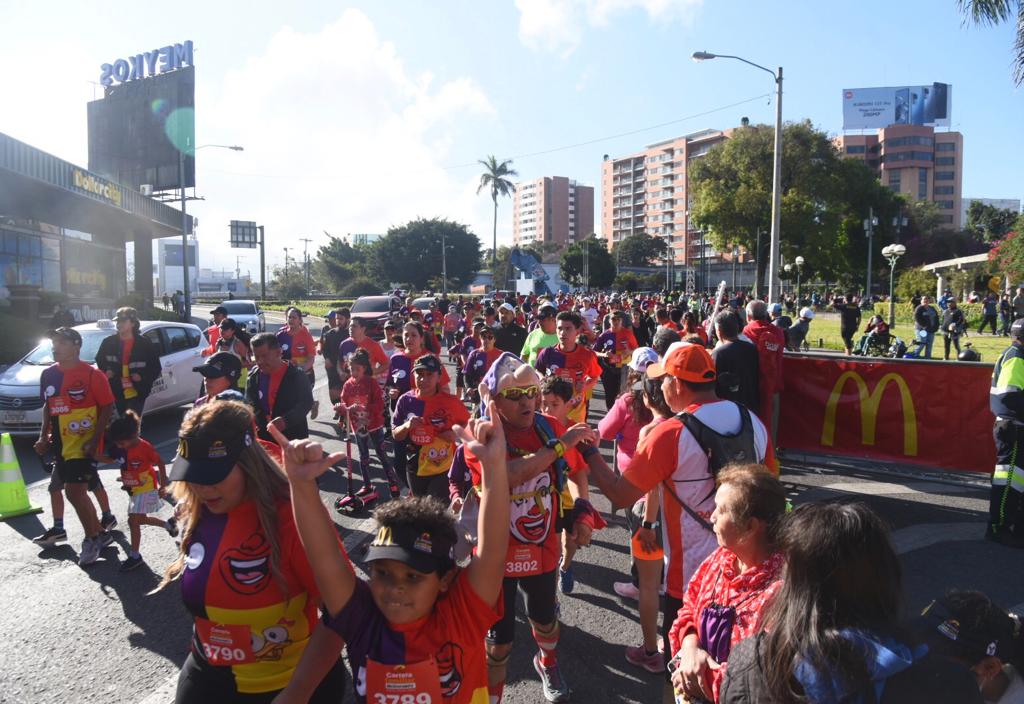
(202,682)
(847,336)
(541,604)
(80,471)
(333,378)
(57,484)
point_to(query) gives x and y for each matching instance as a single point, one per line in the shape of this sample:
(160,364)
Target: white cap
(807,313)
(642,356)
(508,307)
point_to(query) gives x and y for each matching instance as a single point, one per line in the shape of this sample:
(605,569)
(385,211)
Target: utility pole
(444,265)
(263,264)
(286,264)
(238,266)
(869,228)
(305,257)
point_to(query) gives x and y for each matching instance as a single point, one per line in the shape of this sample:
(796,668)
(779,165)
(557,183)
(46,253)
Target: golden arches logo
(869,403)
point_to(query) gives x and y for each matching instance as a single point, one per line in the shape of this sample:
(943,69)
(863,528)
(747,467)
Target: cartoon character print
(359,414)
(246,568)
(270,643)
(449,669)
(76,428)
(531,509)
(78,391)
(436,457)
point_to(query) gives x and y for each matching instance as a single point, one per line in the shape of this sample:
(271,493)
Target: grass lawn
(825,330)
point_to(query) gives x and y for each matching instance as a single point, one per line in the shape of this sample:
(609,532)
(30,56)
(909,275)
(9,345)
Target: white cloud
(557,26)
(339,135)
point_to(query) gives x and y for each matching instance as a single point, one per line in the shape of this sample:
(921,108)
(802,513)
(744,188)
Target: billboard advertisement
(172,255)
(888,411)
(874,108)
(138,129)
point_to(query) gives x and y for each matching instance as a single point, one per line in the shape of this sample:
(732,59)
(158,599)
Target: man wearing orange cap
(675,455)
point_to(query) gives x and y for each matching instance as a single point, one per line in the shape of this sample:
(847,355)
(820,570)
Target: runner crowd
(481,489)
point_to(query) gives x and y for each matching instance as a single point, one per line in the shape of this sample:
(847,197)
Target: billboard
(172,255)
(244,234)
(138,129)
(874,108)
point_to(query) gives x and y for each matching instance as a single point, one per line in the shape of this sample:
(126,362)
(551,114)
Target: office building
(552,209)
(648,193)
(917,161)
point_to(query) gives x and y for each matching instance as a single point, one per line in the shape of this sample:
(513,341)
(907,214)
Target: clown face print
(531,510)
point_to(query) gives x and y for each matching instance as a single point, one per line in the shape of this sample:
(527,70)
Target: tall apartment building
(648,193)
(916,161)
(552,209)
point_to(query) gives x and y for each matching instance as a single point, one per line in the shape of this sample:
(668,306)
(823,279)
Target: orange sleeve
(656,456)
(594,368)
(458,411)
(100,388)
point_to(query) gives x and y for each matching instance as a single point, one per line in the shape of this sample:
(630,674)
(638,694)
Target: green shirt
(535,342)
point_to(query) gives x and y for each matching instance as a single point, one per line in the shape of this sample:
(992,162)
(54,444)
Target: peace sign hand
(304,460)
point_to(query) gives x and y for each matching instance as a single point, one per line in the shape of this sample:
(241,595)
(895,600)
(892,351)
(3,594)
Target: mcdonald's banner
(907,411)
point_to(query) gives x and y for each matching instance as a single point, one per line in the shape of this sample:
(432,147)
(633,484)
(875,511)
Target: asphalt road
(97,635)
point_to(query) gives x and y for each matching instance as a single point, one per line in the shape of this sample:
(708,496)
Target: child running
(414,631)
(363,398)
(144,477)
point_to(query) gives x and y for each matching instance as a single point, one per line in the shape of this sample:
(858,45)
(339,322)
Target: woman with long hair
(235,340)
(832,632)
(244,575)
(299,349)
(691,326)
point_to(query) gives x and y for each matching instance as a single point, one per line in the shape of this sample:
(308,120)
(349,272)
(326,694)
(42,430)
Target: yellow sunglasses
(514,393)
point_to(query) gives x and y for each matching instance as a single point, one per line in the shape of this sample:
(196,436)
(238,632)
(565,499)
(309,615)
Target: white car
(180,346)
(247,314)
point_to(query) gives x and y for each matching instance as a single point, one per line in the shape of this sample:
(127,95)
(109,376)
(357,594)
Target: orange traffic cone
(13,496)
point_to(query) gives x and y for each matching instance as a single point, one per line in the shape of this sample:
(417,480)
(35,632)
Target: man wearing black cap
(78,406)
(213,332)
(130,361)
(278,392)
(542,336)
(220,373)
(1006,399)
(509,336)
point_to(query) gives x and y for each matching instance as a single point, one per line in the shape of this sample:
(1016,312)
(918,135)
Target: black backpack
(721,449)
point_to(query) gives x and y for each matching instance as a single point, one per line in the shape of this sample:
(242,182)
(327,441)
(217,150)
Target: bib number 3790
(225,644)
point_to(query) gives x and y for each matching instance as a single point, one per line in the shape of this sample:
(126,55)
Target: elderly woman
(725,598)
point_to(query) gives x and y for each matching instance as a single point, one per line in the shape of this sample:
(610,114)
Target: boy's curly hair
(423,513)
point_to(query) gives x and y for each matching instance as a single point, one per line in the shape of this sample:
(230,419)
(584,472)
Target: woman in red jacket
(726,596)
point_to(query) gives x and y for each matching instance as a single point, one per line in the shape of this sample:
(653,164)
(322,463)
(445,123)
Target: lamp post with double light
(773,250)
(892,252)
(799,261)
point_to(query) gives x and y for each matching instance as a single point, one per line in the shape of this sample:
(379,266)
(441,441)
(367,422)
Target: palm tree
(996,12)
(495,177)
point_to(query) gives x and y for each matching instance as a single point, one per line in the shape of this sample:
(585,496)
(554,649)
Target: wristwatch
(649,525)
(558,446)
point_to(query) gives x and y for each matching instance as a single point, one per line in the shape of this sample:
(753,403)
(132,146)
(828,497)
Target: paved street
(96,635)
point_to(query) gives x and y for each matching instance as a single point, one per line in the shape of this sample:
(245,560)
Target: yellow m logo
(869,403)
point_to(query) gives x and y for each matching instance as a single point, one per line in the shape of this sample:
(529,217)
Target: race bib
(59,405)
(435,457)
(225,644)
(422,433)
(416,683)
(126,382)
(523,560)
(132,478)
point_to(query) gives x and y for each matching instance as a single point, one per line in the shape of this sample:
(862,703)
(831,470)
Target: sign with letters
(875,108)
(906,411)
(147,64)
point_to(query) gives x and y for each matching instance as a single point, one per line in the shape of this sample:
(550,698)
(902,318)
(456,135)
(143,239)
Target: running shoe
(637,655)
(555,688)
(51,537)
(566,580)
(315,411)
(130,563)
(90,552)
(627,590)
(108,523)
(104,539)
(172,526)
(395,490)
(364,490)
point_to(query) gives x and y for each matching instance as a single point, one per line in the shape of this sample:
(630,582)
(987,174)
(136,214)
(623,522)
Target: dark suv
(375,311)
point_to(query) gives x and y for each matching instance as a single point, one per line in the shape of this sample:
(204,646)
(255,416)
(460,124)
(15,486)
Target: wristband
(649,525)
(558,446)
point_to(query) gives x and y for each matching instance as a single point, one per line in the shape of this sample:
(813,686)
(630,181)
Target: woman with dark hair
(832,632)
(235,340)
(725,598)
(692,327)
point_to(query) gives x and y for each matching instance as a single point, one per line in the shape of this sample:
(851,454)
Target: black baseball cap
(221,364)
(1017,329)
(420,549)
(949,636)
(67,333)
(428,362)
(219,309)
(547,310)
(208,456)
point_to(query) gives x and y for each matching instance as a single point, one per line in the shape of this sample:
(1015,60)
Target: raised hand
(304,460)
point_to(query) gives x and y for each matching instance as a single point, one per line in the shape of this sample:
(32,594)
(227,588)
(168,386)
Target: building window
(945,147)
(945,204)
(856,149)
(30,260)
(906,156)
(947,219)
(922,184)
(945,176)
(909,141)
(944,190)
(945,160)
(894,180)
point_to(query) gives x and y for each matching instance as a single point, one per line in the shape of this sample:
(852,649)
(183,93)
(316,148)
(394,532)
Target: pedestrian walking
(130,361)
(1006,399)
(926,319)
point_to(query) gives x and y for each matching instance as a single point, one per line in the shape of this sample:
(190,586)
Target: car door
(158,395)
(183,353)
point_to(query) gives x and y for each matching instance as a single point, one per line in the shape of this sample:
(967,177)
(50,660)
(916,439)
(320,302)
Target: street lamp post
(892,252)
(788,268)
(444,266)
(799,269)
(773,258)
(869,228)
(735,256)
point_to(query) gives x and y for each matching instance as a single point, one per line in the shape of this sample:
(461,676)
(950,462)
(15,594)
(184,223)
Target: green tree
(338,263)
(825,199)
(598,259)
(914,281)
(495,178)
(992,12)
(290,283)
(639,250)
(412,253)
(990,222)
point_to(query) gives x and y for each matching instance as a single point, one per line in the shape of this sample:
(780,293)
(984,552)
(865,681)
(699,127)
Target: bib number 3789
(421,698)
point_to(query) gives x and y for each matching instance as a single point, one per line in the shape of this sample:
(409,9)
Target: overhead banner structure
(890,410)
(874,108)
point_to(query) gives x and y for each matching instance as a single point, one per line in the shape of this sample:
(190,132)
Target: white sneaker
(90,552)
(627,590)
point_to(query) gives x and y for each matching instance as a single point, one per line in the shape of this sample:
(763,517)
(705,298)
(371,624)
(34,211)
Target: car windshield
(373,304)
(91,339)
(239,307)
(422,303)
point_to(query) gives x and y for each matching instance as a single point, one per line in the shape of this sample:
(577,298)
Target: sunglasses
(514,393)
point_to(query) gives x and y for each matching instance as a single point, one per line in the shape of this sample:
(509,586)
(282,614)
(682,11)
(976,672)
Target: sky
(356,117)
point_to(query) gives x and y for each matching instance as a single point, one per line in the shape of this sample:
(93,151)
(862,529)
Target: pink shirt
(619,424)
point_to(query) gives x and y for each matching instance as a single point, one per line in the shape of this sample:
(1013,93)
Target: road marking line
(870,488)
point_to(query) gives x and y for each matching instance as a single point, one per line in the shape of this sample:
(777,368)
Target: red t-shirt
(534,546)
(366,395)
(138,466)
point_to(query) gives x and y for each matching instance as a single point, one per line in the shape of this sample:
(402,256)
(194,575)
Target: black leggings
(541,604)
(200,682)
(435,485)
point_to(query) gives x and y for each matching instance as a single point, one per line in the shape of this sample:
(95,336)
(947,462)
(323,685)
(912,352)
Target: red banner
(909,411)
